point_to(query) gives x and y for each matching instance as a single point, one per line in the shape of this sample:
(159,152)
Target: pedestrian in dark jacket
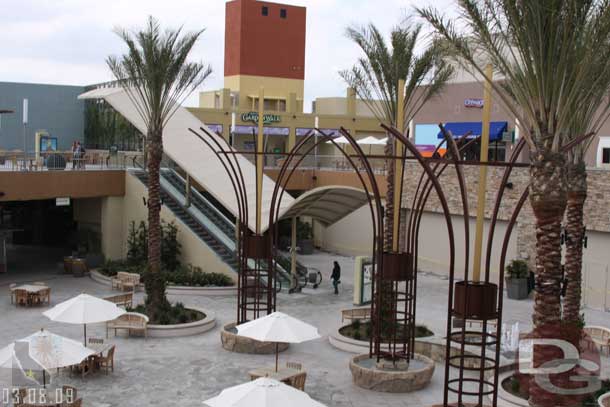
(336,277)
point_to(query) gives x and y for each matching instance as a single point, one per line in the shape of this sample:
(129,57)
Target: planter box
(180,330)
(174,290)
(517,288)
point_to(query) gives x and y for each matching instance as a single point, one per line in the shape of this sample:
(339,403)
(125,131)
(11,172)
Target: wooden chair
(79,268)
(298,381)
(68,265)
(98,341)
(19,396)
(107,362)
(293,365)
(69,393)
(12,292)
(76,403)
(21,297)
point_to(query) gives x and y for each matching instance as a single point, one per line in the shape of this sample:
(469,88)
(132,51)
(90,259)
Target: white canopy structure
(327,204)
(339,140)
(195,157)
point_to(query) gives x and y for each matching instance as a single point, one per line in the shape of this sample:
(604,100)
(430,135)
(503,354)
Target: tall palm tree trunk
(548,197)
(155,283)
(577,195)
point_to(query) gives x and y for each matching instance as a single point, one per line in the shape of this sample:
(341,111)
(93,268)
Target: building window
(281,105)
(265,10)
(283,13)
(606,155)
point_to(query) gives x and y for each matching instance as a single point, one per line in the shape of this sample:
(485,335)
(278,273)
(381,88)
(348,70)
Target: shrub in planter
(517,273)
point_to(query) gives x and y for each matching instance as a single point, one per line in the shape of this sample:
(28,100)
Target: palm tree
(543,51)
(157,78)
(375,80)
(588,120)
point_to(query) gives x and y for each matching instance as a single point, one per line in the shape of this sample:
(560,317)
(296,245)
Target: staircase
(209,222)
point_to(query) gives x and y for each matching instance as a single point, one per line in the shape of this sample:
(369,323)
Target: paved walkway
(159,372)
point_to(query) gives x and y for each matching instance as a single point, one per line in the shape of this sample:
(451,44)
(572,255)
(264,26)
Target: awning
(327,204)
(458,129)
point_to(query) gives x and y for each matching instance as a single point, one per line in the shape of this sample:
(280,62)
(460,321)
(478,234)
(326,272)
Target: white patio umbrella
(278,327)
(372,141)
(262,392)
(44,351)
(84,309)
(339,140)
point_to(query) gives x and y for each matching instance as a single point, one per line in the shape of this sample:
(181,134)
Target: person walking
(336,277)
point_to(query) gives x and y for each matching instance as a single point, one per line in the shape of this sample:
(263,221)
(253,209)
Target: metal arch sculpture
(288,169)
(256,267)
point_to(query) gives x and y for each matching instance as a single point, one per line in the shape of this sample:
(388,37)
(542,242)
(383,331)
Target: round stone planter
(604,400)
(174,290)
(505,399)
(367,376)
(240,344)
(180,330)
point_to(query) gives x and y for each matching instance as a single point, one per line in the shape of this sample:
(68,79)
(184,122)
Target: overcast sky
(67,41)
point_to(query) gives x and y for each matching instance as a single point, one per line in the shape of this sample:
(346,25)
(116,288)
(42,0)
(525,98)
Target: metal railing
(92,160)
(325,163)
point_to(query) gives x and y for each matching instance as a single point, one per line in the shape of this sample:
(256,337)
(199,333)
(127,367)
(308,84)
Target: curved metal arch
(449,223)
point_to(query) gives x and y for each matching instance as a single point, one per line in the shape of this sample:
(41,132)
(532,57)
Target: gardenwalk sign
(267,119)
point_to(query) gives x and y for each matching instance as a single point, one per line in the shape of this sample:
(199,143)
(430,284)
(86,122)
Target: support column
(260,140)
(478,243)
(293,252)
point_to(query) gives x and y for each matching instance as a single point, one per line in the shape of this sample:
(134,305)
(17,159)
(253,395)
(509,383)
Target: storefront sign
(267,119)
(62,201)
(474,103)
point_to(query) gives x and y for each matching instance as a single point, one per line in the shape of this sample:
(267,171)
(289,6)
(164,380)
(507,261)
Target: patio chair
(79,268)
(293,365)
(107,362)
(68,265)
(76,403)
(69,393)
(19,396)
(98,341)
(21,297)
(12,292)
(298,381)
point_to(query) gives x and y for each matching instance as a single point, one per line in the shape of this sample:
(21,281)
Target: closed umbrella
(262,392)
(84,309)
(43,351)
(278,327)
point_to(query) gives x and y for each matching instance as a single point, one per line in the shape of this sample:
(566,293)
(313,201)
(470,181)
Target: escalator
(209,222)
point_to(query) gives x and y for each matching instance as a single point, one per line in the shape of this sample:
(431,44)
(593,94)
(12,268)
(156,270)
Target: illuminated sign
(474,103)
(267,119)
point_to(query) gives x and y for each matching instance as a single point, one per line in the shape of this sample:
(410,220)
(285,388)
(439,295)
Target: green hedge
(185,276)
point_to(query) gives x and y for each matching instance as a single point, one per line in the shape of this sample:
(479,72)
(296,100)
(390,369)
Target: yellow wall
(275,88)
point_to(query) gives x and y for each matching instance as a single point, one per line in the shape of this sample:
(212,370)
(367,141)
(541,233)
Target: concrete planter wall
(604,400)
(179,330)
(392,381)
(175,290)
